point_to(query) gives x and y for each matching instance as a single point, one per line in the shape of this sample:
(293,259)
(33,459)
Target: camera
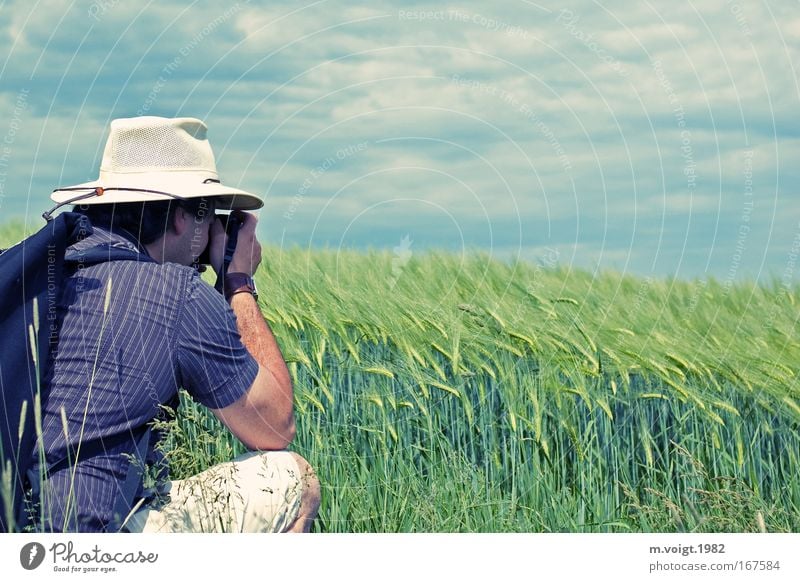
(231,223)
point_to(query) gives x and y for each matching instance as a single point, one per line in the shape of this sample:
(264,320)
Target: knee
(311,492)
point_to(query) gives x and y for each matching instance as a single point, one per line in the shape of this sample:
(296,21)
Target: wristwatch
(239,283)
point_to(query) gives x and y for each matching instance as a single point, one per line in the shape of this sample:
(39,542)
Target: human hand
(247,256)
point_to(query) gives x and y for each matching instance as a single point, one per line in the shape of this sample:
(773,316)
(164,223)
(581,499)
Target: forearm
(263,417)
(257,337)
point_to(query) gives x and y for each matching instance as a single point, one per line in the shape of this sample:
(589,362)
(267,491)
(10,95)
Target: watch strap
(238,283)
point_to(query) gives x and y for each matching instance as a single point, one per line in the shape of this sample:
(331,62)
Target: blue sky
(655,138)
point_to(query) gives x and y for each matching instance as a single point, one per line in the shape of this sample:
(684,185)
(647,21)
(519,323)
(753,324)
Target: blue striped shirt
(114,367)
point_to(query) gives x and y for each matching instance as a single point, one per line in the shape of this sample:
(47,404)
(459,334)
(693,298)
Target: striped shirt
(131,334)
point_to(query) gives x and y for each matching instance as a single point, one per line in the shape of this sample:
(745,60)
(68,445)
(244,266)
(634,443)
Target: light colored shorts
(256,492)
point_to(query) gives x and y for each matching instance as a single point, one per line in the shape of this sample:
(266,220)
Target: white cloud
(542,104)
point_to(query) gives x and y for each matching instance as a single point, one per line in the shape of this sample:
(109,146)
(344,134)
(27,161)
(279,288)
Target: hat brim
(225,197)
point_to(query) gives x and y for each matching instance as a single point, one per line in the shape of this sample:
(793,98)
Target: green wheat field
(456,393)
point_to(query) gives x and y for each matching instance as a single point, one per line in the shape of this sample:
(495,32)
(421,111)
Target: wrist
(235,283)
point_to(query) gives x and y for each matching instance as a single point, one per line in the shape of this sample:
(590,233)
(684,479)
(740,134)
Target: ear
(180,221)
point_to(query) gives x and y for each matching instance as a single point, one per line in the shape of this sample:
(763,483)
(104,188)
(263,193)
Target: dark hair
(147,221)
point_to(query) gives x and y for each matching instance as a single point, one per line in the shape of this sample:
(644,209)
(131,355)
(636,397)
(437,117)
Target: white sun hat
(157,158)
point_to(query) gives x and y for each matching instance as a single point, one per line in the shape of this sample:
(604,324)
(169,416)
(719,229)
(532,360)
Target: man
(132,332)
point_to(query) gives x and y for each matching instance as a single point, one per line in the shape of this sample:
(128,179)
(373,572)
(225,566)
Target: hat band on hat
(99,191)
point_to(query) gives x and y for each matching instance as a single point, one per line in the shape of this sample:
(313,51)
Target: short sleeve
(214,366)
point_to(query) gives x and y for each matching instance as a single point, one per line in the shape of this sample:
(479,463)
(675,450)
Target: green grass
(465,394)
(471,395)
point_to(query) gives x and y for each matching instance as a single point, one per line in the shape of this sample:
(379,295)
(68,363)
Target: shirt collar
(119,238)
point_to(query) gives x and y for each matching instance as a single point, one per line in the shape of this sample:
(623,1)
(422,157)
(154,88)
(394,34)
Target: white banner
(417,557)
